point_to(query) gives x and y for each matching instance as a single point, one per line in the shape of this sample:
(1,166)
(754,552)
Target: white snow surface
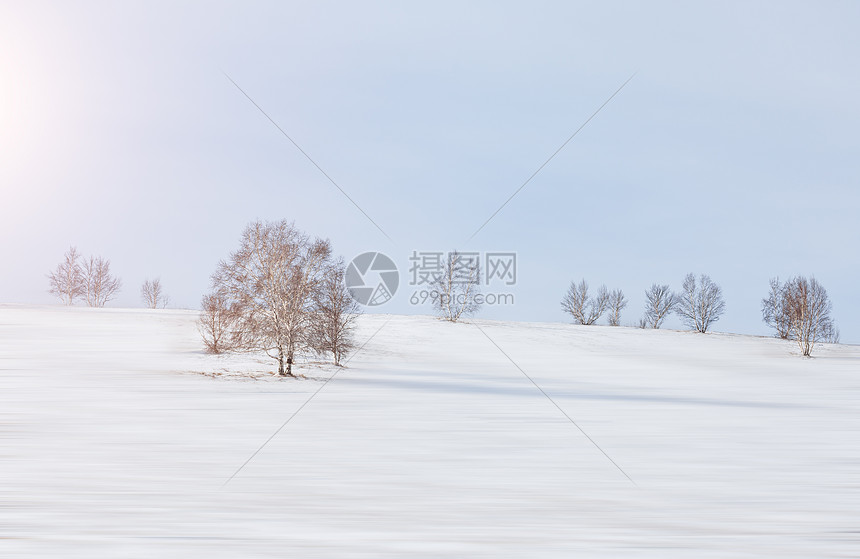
(430,443)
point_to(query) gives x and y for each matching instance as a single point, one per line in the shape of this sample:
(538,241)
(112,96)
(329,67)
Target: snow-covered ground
(430,444)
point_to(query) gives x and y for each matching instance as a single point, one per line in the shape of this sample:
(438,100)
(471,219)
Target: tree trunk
(281,371)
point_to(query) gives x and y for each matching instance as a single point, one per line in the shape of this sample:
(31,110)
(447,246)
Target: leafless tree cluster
(699,304)
(456,290)
(659,303)
(797,310)
(800,310)
(581,306)
(88,279)
(280,293)
(152,294)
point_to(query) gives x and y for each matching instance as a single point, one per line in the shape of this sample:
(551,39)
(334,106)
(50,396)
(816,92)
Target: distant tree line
(283,294)
(586,309)
(698,305)
(90,280)
(798,309)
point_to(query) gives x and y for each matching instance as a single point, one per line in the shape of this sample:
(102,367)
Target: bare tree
(799,310)
(659,302)
(271,280)
(583,308)
(66,281)
(775,311)
(152,294)
(336,312)
(100,286)
(575,301)
(456,290)
(216,322)
(617,302)
(809,307)
(700,305)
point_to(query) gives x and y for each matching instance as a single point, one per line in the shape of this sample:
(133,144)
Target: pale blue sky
(732,152)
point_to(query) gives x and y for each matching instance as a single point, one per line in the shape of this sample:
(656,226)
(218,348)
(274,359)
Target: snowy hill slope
(431,443)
